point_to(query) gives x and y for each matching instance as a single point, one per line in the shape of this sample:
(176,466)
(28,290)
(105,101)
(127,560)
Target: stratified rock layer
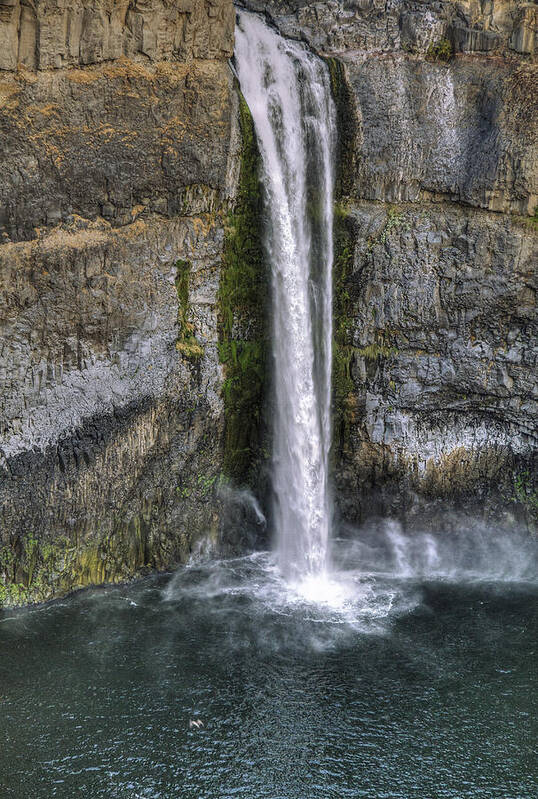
(54,33)
(119,161)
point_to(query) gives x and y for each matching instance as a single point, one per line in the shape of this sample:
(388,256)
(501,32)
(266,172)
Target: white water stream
(287,89)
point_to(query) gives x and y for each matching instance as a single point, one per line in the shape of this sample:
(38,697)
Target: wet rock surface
(443,358)
(435,376)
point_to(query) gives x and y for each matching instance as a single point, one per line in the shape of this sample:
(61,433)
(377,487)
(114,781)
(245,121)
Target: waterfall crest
(288,92)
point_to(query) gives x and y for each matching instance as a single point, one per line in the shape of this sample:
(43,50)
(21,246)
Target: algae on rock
(187,343)
(348,129)
(243,303)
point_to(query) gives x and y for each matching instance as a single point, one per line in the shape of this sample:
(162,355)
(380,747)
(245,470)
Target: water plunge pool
(396,686)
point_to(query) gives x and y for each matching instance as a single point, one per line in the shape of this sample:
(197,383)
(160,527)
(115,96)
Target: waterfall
(287,89)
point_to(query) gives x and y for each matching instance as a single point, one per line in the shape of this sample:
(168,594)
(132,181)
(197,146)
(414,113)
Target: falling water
(288,91)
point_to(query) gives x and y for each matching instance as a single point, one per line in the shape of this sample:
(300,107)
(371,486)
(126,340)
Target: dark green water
(405,686)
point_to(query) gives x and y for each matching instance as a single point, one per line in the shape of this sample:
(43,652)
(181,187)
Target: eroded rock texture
(119,160)
(55,33)
(436,384)
(441,358)
(371,25)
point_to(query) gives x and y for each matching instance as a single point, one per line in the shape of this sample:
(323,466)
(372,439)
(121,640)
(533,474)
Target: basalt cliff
(133,330)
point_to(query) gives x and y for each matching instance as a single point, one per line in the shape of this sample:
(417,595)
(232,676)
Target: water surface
(403,685)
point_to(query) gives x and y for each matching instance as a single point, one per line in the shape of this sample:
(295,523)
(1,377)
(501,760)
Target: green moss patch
(343,388)
(347,123)
(440,51)
(187,343)
(376,351)
(243,313)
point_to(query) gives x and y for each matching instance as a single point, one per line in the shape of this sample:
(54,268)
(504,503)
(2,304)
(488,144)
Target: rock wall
(127,287)
(354,26)
(47,34)
(436,347)
(118,165)
(439,364)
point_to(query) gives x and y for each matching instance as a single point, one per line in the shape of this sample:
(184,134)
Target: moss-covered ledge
(243,316)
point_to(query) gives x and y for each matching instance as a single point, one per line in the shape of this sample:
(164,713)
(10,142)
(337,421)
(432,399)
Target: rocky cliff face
(436,384)
(119,162)
(129,291)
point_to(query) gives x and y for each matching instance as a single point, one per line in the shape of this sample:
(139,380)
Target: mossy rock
(243,307)
(187,343)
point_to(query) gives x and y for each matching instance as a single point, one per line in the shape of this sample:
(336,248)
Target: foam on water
(343,604)
(421,689)
(380,574)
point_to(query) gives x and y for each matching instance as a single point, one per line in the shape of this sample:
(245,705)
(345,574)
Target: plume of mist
(465,549)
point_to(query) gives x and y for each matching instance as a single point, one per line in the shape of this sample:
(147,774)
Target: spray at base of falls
(287,89)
